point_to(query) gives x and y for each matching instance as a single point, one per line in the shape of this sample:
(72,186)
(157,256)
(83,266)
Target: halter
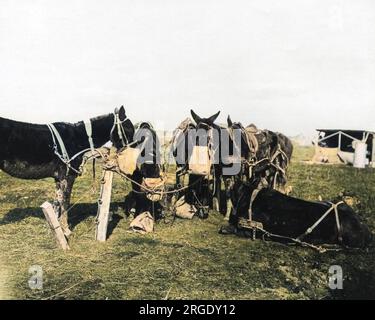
(117,124)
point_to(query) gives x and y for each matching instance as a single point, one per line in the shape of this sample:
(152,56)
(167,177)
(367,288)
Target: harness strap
(335,210)
(56,136)
(120,130)
(88,128)
(254,194)
(339,230)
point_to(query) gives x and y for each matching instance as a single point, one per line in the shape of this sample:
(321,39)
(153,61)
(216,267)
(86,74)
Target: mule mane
(144,125)
(24,124)
(102,117)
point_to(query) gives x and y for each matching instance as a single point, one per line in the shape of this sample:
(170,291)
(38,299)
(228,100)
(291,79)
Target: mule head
(355,233)
(205,141)
(229,122)
(207,121)
(234,125)
(149,171)
(237,126)
(147,142)
(123,129)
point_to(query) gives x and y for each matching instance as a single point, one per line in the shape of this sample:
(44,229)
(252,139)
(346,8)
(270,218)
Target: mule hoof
(202,214)
(228,229)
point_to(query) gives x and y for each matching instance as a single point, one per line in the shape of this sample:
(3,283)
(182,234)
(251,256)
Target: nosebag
(185,210)
(143,223)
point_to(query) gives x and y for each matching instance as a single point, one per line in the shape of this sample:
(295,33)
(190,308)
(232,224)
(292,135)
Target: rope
(152,191)
(320,249)
(271,162)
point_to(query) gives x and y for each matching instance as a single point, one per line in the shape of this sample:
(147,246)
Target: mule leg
(228,189)
(217,196)
(59,198)
(64,188)
(180,181)
(217,189)
(229,209)
(129,203)
(180,176)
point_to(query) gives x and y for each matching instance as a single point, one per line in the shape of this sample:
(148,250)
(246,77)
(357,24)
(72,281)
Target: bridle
(117,125)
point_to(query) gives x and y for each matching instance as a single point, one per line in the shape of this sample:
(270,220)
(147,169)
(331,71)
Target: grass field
(184,260)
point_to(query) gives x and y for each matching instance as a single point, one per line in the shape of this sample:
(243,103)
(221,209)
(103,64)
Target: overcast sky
(290,66)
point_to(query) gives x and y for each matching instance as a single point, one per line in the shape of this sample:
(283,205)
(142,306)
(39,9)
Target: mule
(33,151)
(306,221)
(264,157)
(266,154)
(201,190)
(147,176)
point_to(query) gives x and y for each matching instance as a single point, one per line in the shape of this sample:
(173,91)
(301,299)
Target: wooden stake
(103,206)
(54,224)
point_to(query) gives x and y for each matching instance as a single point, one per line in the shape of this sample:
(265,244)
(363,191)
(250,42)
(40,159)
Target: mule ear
(122,113)
(213,118)
(196,118)
(116,111)
(229,121)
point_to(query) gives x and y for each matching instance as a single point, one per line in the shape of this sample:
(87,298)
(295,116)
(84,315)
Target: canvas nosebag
(143,223)
(153,184)
(185,210)
(200,161)
(127,160)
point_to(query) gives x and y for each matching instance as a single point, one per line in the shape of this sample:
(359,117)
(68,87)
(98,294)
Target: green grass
(184,260)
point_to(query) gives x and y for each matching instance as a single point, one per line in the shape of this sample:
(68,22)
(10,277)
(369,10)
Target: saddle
(181,129)
(252,141)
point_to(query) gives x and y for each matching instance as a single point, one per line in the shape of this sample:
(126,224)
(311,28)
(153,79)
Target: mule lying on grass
(291,217)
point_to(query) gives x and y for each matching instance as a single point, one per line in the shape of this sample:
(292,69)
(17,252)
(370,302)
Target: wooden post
(103,206)
(54,224)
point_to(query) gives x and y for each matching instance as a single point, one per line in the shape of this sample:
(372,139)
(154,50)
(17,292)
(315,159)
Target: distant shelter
(353,147)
